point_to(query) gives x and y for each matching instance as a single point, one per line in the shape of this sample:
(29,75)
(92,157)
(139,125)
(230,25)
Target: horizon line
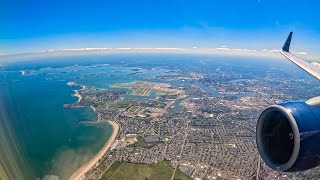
(221,50)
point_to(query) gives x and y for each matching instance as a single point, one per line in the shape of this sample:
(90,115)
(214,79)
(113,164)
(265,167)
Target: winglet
(286,45)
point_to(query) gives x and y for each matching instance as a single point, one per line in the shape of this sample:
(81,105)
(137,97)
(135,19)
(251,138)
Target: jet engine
(288,135)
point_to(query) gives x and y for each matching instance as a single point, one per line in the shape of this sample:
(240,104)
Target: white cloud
(300,53)
(179,49)
(123,48)
(274,50)
(223,48)
(143,48)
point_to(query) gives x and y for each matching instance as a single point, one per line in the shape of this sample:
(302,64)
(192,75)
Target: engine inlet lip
(296,140)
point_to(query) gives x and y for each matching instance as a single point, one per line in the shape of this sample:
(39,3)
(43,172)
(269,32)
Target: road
(258,167)
(182,147)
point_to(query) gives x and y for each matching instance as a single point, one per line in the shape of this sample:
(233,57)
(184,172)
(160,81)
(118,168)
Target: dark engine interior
(277,137)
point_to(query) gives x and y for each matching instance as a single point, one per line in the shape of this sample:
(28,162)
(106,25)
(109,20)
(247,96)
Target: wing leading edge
(308,67)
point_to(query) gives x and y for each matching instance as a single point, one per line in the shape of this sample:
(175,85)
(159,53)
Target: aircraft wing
(308,67)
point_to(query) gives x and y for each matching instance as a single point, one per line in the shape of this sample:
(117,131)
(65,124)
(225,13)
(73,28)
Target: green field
(181,176)
(141,143)
(119,104)
(159,171)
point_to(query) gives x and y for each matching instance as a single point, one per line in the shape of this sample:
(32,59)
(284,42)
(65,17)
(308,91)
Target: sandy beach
(77,94)
(99,115)
(23,73)
(86,167)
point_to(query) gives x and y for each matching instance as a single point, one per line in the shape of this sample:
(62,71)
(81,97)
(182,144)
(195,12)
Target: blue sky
(36,25)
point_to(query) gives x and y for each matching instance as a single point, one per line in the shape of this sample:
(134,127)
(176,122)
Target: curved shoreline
(86,167)
(77,94)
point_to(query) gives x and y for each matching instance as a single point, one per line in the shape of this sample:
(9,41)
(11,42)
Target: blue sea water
(50,136)
(51,139)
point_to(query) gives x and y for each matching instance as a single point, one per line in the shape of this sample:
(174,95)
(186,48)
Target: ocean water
(48,139)
(52,139)
(39,137)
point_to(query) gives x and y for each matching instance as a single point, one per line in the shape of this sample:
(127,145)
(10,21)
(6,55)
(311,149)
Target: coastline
(115,130)
(77,94)
(23,73)
(99,115)
(86,167)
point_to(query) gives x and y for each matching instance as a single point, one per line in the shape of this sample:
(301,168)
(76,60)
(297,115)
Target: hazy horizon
(34,27)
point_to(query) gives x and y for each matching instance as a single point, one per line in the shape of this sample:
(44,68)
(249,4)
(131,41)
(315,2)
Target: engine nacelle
(288,135)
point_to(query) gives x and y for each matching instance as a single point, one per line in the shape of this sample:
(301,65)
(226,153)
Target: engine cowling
(288,135)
